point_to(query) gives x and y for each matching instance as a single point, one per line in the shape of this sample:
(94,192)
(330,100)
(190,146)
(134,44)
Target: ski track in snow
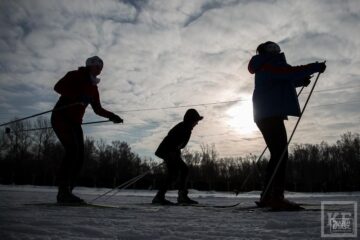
(134,220)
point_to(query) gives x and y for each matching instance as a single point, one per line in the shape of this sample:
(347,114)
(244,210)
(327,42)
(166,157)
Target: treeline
(32,157)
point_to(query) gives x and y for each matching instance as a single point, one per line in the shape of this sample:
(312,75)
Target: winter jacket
(176,140)
(275,82)
(76,87)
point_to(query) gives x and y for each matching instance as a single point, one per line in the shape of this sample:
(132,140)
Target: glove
(306,81)
(116,119)
(319,67)
(322,67)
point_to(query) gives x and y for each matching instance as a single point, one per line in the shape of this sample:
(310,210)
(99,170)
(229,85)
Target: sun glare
(240,118)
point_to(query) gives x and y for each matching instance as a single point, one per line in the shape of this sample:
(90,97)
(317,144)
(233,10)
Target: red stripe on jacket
(283,69)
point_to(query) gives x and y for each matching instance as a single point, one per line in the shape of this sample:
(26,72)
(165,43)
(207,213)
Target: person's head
(192,117)
(95,65)
(268,48)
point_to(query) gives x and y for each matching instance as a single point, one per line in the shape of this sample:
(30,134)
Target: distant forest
(32,157)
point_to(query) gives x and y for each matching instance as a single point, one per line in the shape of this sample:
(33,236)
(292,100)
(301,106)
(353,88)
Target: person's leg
(78,155)
(274,133)
(170,177)
(183,174)
(65,133)
(279,148)
(183,178)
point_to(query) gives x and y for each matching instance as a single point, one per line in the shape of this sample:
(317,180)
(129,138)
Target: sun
(240,118)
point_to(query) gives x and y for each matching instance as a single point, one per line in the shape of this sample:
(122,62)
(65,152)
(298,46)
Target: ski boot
(279,204)
(159,199)
(65,197)
(183,198)
(284,204)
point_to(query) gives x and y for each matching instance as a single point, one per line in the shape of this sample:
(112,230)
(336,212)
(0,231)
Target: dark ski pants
(176,170)
(274,133)
(71,137)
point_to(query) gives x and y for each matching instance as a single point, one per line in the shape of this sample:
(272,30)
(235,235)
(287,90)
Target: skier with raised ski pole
(274,99)
(78,89)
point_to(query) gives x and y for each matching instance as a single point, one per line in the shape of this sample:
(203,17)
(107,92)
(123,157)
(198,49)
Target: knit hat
(269,48)
(94,61)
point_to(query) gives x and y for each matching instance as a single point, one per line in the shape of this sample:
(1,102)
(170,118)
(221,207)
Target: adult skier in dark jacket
(170,151)
(274,99)
(78,89)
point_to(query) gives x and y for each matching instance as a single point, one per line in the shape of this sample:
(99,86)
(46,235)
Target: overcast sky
(173,53)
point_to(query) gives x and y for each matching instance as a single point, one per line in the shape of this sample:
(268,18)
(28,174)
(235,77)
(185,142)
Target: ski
(302,207)
(235,207)
(205,205)
(70,205)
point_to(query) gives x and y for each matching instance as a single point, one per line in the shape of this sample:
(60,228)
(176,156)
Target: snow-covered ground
(22,217)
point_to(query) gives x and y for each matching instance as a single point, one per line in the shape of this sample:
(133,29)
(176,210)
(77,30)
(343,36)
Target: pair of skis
(130,205)
(235,207)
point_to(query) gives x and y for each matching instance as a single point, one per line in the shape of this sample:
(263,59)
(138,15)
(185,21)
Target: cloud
(161,54)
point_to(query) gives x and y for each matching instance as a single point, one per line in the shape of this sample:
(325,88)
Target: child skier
(170,151)
(274,99)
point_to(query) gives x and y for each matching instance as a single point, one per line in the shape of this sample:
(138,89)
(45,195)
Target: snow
(21,218)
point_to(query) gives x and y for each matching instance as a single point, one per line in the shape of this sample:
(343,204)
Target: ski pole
(38,114)
(103,121)
(129,183)
(287,145)
(120,186)
(261,155)
(8,130)
(125,184)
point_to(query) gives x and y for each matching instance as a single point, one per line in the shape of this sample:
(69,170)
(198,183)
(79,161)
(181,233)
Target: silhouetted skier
(274,99)
(78,89)
(170,151)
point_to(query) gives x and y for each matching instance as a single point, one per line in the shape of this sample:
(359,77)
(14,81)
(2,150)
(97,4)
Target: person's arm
(99,110)
(176,137)
(296,73)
